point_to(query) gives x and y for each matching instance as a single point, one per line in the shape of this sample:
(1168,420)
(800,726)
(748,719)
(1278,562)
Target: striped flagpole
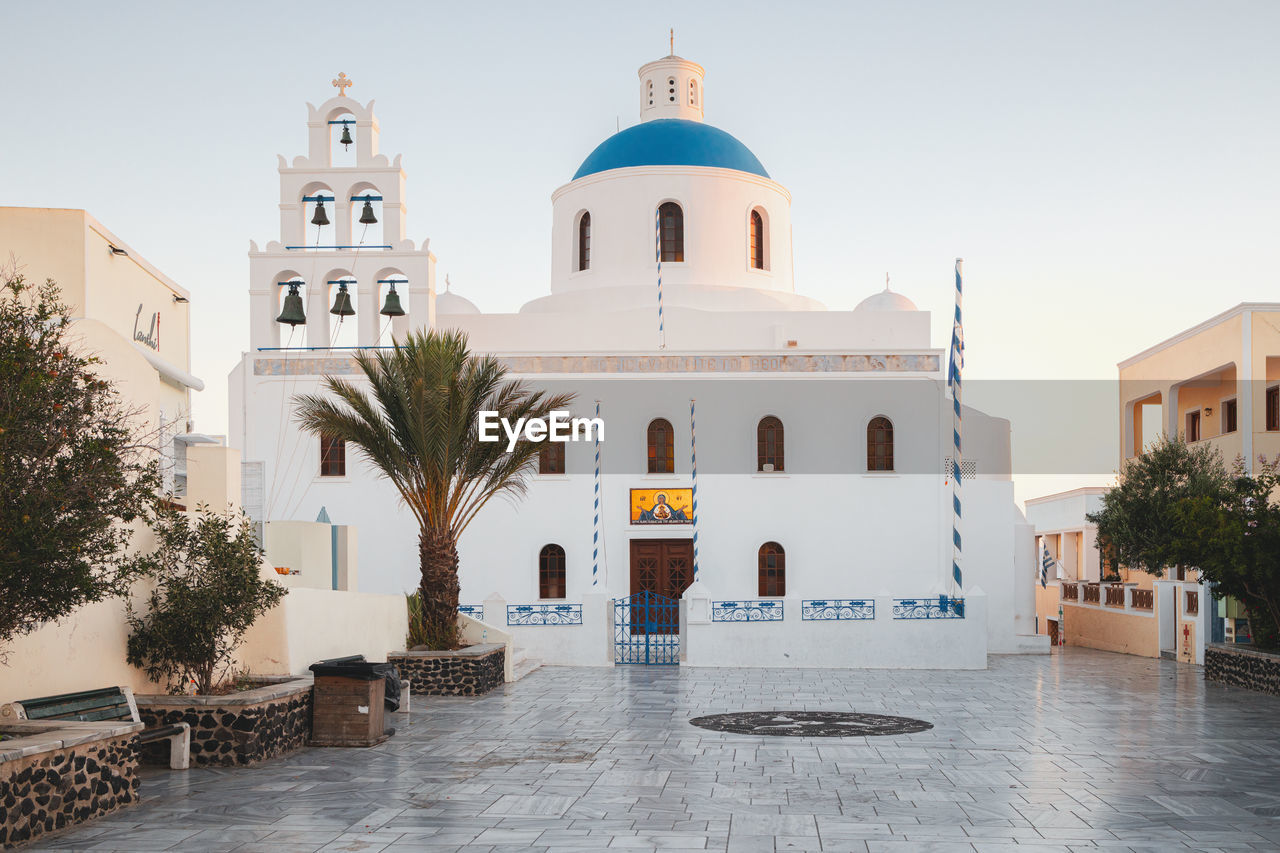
(657,246)
(957,463)
(693,445)
(595,533)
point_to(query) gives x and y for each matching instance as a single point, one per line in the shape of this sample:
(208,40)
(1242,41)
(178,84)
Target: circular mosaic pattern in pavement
(810,724)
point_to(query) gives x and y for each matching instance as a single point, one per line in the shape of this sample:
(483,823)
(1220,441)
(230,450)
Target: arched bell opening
(291,312)
(365,205)
(342,139)
(343,301)
(393,307)
(319,215)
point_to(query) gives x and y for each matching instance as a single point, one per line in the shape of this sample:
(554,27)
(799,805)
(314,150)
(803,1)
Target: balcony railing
(1143,599)
(1070,592)
(1091,593)
(1115,596)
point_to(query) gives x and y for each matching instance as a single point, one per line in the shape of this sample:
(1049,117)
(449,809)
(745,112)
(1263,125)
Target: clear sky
(1109,170)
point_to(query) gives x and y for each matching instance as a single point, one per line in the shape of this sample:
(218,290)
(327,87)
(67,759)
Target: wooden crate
(347,712)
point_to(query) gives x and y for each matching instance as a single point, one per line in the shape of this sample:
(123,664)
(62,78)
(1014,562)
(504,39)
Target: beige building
(1216,382)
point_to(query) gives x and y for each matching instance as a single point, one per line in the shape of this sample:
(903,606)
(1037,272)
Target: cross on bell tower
(342,83)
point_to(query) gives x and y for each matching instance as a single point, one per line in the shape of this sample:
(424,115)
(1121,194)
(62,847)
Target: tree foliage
(1140,525)
(417,424)
(1237,532)
(75,469)
(208,593)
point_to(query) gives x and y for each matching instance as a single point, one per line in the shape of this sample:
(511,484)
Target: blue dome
(671,142)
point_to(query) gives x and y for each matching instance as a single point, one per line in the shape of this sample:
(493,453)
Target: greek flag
(1045,563)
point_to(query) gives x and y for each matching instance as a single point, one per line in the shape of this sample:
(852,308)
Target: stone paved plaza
(1077,751)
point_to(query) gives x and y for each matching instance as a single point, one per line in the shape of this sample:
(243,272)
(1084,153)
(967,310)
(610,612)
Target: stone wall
(472,671)
(59,788)
(1240,666)
(242,728)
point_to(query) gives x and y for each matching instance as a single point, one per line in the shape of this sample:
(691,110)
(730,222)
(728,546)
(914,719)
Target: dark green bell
(292,314)
(366,215)
(346,137)
(320,217)
(342,302)
(391,307)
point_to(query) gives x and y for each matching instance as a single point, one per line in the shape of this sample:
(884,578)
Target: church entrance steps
(522,664)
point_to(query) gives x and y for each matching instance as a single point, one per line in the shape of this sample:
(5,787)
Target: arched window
(662,447)
(584,242)
(672,219)
(551,572)
(757,240)
(551,457)
(773,571)
(693,92)
(769,445)
(880,444)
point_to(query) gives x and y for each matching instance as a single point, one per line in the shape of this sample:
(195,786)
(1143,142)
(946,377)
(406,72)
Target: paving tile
(1025,756)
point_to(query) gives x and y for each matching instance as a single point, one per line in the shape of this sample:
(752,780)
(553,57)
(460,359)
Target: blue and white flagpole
(953,379)
(595,530)
(693,444)
(657,246)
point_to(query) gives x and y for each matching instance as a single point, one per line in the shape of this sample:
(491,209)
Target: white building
(824,522)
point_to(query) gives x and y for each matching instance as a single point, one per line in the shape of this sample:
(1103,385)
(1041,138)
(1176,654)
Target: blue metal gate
(646,629)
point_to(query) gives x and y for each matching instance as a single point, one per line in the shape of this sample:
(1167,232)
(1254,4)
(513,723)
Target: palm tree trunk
(438,558)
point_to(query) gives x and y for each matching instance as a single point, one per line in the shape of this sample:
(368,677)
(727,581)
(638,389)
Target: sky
(1108,170)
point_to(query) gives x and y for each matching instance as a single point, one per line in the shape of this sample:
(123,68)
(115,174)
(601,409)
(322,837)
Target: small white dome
(886,300)
(451,303)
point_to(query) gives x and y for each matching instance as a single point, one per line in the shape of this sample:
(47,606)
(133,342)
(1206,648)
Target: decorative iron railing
(1070,592)
(1143,599)
(475,611)
(746,611)
(544,614)
(942,607)
(837,609)
(1192,605)
(1115,596)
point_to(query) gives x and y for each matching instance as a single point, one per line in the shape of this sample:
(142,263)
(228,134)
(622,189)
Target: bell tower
(671,87)
(342,274)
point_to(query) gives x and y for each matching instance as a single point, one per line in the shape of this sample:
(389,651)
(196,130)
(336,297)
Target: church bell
(342,302)
(391,307)
(292,314)
(366,215)
(346,137)
(320,217)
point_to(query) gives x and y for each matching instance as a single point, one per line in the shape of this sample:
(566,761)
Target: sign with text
(662,506)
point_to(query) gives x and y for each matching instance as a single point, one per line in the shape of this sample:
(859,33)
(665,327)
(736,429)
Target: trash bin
(348,702)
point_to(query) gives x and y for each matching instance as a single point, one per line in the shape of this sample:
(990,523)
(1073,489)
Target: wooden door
(662,566)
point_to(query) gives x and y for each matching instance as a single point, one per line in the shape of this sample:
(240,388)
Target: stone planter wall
(1241,666)
(242,728)
(55,774)
(472,671)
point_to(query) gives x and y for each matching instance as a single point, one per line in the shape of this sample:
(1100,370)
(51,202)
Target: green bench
(108,703)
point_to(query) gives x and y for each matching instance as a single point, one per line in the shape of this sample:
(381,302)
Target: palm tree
(417,423)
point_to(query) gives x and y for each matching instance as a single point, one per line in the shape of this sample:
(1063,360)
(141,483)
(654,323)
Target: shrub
(208,593)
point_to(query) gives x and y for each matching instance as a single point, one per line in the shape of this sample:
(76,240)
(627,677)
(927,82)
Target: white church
(823,532)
